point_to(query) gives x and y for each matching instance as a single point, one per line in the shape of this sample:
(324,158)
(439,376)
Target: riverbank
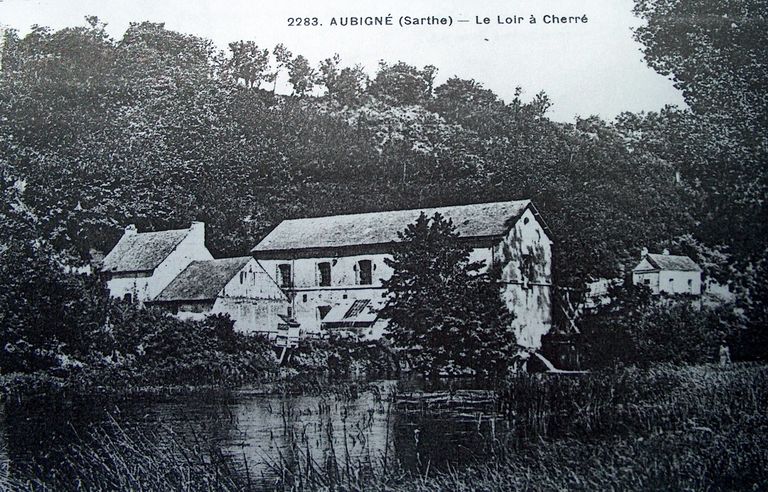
(672,428)
(666,427)
(317,366)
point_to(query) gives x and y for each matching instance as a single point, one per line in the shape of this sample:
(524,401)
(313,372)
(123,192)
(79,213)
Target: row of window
(363,273)
(647,281)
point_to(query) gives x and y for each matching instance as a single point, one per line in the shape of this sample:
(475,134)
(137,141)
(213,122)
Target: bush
(66,325)
(342,357)
(49,318)
(639,328)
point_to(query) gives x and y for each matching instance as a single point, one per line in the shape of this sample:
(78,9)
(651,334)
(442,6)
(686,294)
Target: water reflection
(271,436)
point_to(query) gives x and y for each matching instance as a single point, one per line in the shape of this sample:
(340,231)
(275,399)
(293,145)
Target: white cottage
(238,287)
(142,264)
(669,274)
(331,268)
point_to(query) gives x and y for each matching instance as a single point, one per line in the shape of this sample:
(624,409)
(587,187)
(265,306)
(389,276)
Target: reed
(680,428)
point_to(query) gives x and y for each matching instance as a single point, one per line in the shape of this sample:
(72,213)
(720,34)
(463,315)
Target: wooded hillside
(159,128)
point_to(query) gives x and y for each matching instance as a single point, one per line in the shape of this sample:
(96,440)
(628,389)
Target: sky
(592,68)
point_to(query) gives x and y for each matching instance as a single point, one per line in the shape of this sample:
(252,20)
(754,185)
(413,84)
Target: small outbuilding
(238,287)
(668,274)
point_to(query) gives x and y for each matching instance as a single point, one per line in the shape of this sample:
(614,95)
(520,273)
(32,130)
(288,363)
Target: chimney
(130,229)
(665,252)
(197,230)
(643,252)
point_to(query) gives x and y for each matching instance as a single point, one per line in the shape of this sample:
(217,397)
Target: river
(268,434)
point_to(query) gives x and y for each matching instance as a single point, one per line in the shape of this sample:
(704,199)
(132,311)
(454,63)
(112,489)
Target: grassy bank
(691,428)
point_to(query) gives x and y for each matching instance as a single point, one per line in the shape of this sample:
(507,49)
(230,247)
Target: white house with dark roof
(331,268)
(142,264)
(669,274)
(238,287)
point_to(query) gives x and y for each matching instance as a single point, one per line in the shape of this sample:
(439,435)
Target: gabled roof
(202,280)
(142,252)
(671,262)
(471,221)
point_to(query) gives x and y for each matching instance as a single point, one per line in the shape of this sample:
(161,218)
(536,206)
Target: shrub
(638,328)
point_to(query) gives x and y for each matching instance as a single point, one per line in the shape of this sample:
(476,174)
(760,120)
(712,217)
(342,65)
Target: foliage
(341,357)
(715,52)
(247,63)
(346,85)
(158,129)
(636,327)
(444,313)
(152,128)
(55,320)
(48,318)
(401,84)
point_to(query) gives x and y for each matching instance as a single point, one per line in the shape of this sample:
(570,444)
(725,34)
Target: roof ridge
(404,210)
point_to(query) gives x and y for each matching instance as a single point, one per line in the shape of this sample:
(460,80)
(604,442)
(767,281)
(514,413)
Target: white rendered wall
(252,300)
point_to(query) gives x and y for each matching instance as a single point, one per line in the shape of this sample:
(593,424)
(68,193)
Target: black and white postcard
(364,245)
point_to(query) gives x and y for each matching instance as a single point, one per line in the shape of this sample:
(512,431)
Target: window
(364,272)
(128,298)
(284,275)
(690,285)
(526,270)
(304,298)
(324,269)
(356,308)
(242,276)
(647,281)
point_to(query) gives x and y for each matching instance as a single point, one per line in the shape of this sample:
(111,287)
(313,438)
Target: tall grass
(110,458)
(665,428)
(690,428)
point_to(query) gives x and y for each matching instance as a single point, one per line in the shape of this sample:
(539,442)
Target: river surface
(268,434)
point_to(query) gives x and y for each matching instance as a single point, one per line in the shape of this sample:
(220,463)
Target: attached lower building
(332,268)
(238,287)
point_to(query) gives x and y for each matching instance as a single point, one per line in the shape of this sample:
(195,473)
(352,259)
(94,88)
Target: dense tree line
(158,128)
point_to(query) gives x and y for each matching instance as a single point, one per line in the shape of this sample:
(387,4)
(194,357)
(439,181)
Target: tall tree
(343,85)
(444,313)
(716,51)
(402,84)
(249,63)
(301,75)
